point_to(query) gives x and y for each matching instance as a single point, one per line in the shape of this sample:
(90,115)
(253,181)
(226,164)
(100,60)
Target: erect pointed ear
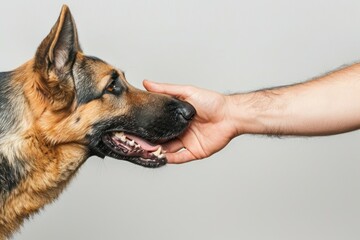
(54,60)
(58,50)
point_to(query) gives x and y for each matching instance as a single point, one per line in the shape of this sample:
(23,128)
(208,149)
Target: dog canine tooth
(161,156)
(132,143)
(158,151)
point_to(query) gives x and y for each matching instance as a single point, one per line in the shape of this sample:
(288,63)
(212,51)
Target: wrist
(239,115)
(247,114)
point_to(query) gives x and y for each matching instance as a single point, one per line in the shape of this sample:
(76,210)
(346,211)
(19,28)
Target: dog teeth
(121,136)
(157,152)
(161,156)
(132,143)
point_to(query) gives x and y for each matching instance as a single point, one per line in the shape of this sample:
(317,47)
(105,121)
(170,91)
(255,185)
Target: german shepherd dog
(62,107)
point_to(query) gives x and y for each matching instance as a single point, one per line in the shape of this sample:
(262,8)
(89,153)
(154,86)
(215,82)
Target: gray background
(257,187)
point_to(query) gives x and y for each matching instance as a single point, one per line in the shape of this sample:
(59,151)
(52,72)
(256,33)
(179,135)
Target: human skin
(323,106)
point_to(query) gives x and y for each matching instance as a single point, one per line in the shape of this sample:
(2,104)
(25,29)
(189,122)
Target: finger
(171,89)
(173,146)
(180,157)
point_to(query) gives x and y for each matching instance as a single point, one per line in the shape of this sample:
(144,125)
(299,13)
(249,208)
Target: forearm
(324,106)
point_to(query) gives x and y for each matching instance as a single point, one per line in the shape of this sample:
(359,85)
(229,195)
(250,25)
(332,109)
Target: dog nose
(186,110)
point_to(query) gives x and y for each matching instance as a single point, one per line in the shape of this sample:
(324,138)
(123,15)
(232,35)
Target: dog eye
(114,87)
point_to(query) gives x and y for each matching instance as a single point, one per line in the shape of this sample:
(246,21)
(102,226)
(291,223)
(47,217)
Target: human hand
(210,130)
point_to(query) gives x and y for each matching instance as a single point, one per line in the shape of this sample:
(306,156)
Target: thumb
(182,156)
(178,91)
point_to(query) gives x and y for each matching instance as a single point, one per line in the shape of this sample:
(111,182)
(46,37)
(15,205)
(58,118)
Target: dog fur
(54,111)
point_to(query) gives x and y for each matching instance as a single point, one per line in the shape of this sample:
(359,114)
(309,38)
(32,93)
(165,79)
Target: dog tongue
(143,143)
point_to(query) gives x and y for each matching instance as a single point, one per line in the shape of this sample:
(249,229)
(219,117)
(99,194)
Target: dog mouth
(134,149)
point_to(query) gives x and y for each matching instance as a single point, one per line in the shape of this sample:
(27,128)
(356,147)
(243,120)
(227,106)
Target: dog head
(83,100)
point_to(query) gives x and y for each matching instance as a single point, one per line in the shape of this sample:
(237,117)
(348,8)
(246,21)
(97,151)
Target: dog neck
(32,172)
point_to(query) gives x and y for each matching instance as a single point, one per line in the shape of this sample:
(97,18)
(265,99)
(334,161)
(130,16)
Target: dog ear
(55,57)
(58,50)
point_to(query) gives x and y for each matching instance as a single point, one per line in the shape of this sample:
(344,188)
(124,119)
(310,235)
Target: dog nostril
(187,111)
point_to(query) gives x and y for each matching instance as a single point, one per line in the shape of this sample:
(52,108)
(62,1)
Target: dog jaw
(134,149)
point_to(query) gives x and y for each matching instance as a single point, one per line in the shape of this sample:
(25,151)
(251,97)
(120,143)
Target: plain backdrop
(257,187)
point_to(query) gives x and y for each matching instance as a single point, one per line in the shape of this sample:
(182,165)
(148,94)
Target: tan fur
(50,140)
(50,163)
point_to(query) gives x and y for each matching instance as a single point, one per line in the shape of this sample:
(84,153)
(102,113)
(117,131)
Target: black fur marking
(95,59)
(7,118)
(85,84)
(114,74)
(10,176)
(154,124)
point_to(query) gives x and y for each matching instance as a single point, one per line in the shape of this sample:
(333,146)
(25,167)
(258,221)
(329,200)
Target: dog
(63,106)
